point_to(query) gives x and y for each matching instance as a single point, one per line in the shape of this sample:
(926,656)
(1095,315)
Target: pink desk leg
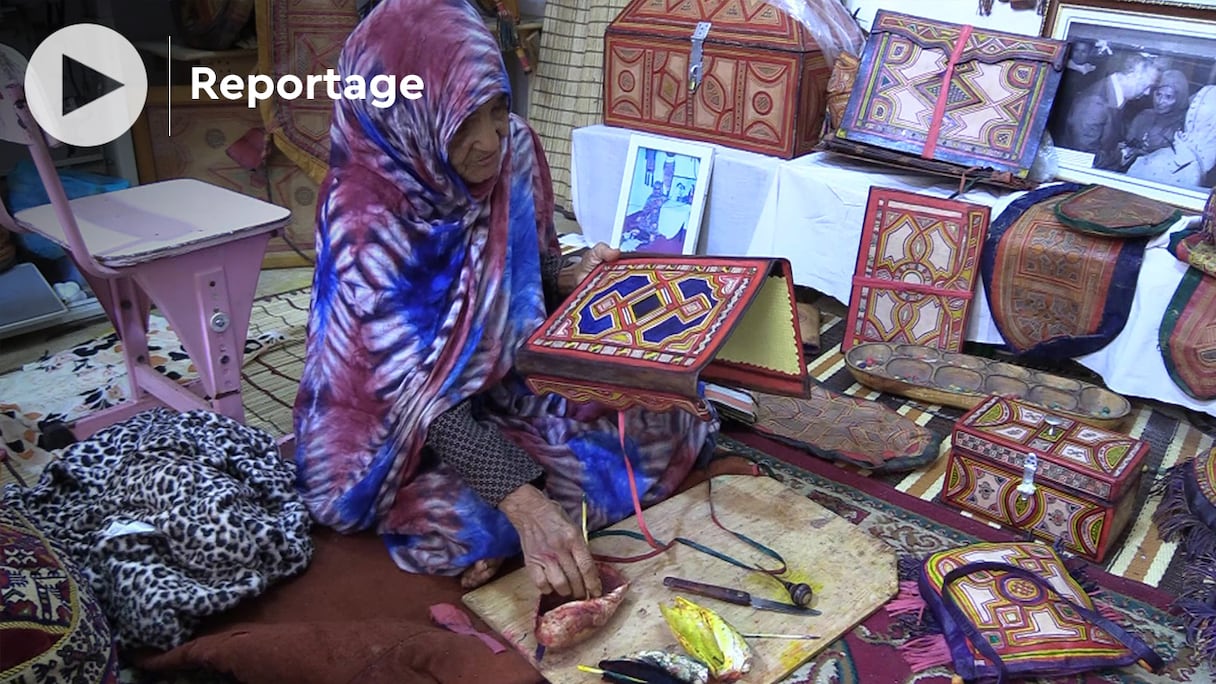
(207,297)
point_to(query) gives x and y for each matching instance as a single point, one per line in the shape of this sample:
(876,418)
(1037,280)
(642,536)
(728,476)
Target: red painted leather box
(760,78)
(1081,492)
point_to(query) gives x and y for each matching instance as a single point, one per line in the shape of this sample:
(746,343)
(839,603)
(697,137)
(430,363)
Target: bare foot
(480,572)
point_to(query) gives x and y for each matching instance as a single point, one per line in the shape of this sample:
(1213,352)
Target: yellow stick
(585,539)
(615,675)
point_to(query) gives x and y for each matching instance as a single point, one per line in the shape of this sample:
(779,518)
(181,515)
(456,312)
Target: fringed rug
(1142,556)
(916,528)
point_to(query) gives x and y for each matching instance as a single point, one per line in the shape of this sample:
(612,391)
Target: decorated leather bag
(951,99)
(1185,338)
(990,601)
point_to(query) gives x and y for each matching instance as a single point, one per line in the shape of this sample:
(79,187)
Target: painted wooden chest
(1021,466)
(752,78)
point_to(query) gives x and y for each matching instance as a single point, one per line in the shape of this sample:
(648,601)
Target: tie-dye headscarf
(424,288)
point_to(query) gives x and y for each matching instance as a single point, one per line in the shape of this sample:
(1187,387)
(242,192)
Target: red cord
(633,486)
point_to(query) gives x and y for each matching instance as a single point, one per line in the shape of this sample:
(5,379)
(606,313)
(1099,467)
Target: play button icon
(111,74)
(104,84)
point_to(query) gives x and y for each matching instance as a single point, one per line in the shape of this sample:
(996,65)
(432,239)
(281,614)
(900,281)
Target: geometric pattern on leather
(1194,248)
(1055,291)
(659,316)
(838,427)
(992,111)
(1079,523)
(1071,454)
(1022,621)
(1104,210)
(1187,337)
(916,270)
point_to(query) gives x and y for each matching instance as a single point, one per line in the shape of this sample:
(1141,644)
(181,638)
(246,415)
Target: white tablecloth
(810,210)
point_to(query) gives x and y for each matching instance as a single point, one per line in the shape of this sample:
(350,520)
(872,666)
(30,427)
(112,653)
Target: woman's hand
(601,253)
(555,554)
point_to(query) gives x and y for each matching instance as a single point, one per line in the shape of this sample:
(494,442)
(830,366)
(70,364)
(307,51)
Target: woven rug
(1142,556)
(915,527)
(91,376)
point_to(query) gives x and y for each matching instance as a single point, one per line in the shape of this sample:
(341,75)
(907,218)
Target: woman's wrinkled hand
(600,253)
(554,551)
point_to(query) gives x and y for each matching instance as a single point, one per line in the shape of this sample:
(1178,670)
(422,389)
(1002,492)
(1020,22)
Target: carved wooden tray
(963,381)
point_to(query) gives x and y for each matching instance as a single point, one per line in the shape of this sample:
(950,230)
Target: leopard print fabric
(172,517)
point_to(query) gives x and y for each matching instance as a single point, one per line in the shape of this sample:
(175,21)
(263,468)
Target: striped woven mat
(566,90)
(276,355)
(1142,556)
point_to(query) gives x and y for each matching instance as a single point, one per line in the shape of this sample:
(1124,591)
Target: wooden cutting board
(851,573)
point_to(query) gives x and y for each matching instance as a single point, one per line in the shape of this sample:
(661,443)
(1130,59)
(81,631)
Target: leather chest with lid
(1060,479)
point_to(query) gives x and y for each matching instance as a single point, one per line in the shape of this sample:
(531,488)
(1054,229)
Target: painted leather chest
(1080,490)
(756,80)
(936,92)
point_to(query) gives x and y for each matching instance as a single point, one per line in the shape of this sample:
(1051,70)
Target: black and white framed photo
(1136,107)
(662,195)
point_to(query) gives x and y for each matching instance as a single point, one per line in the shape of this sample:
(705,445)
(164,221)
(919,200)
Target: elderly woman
(1187,162)
(435,250)
(1155,126)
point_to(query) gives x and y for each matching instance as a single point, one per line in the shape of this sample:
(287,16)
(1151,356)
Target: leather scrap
(452,618)
(837,427)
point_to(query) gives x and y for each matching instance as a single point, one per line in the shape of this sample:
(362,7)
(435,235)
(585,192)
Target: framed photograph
(662,196)
(1136,108)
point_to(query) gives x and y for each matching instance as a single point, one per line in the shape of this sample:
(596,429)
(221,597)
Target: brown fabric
(8,250)
(353,616)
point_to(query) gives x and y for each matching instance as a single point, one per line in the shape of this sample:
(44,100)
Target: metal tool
(800,593)
(735,596)
(767,635)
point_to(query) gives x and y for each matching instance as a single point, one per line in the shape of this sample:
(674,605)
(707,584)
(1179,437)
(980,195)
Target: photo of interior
(661,203)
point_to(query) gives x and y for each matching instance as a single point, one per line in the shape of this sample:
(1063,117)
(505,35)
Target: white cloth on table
(811,211)
(738,185)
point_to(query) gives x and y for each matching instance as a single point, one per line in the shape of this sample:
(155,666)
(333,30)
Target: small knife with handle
(735,596)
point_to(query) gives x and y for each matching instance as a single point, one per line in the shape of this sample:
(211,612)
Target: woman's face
(475,149)
(1164,99)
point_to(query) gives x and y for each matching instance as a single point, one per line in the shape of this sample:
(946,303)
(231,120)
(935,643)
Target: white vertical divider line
(169,86)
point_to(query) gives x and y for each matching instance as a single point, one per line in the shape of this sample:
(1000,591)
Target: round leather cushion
(51,627)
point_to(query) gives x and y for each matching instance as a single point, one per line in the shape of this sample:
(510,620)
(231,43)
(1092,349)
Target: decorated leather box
(752,78)
(1022,466)
(971,97)
(645,331)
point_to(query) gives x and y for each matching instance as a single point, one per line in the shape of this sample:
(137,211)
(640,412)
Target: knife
(735,596)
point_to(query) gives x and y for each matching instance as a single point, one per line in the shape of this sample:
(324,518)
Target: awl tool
(735,596)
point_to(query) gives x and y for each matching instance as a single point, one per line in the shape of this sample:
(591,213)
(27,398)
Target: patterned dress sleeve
(492,465)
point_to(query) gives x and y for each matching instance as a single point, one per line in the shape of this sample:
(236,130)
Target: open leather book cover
(644,330)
